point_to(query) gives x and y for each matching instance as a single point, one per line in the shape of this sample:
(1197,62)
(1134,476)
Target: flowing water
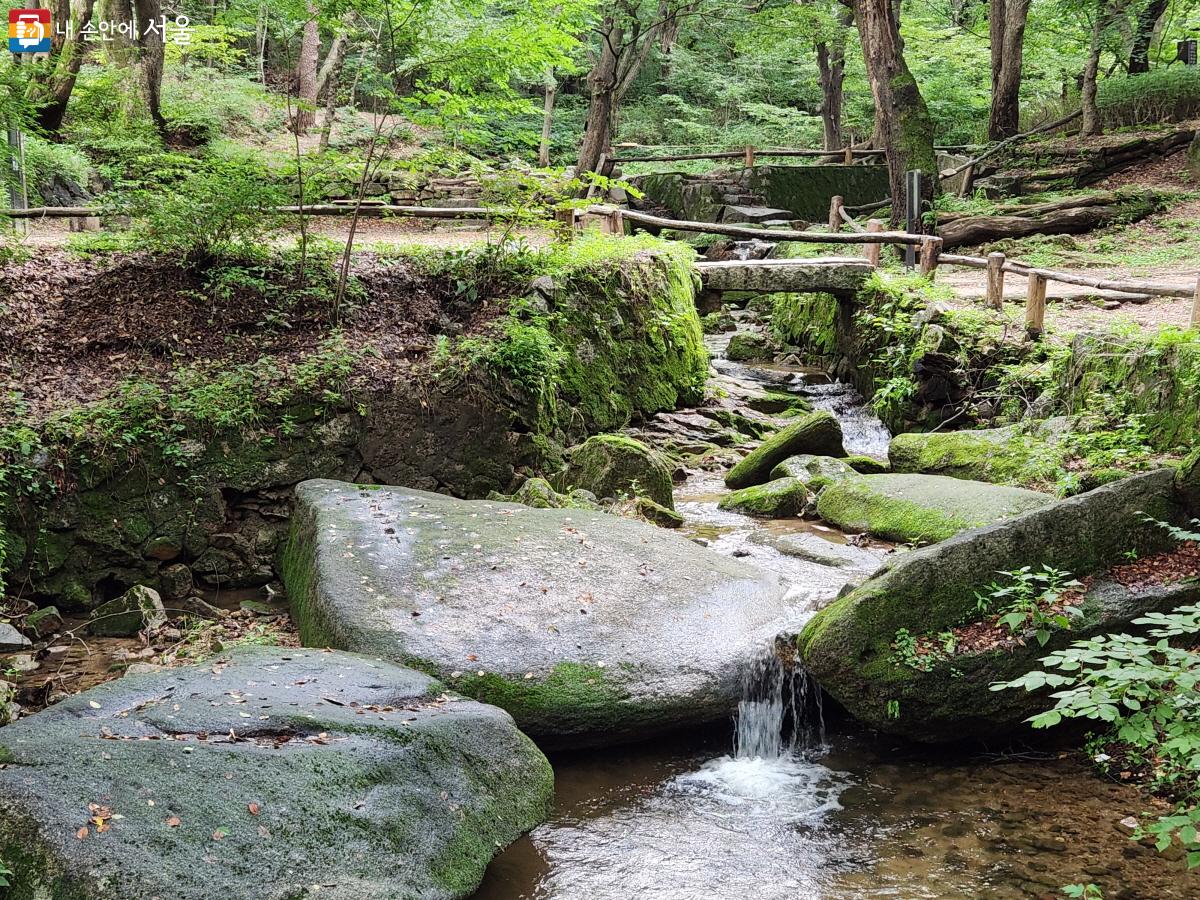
(782,807)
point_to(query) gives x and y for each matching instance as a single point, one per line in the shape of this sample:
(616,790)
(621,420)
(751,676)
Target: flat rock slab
(589,628)
(921,508)
(261,774)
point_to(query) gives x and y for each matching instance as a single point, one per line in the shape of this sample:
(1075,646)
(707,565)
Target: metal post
(912,213)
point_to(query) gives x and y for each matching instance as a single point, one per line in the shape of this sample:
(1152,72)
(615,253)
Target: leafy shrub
(45,161)
(1031,600)
(1144,690)
(1162,95)
(223,211)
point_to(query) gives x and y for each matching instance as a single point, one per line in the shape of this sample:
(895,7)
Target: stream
(793,802)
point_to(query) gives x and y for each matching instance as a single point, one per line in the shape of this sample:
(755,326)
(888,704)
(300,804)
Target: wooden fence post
(995,281)
(848,157)
(749,156)
(835,213)
(874,226)
(567,220)
(1035,306)
(1196,305)
(613,223)
(931,250)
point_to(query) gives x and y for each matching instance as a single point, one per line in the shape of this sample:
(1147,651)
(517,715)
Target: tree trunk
(1090,124)
(547,120)
(150,59)
(1143,36)
(333,79)
(306,74)
(902,120)
(602,87)
(1006,28)
(334,58)
(53,89)
(831,64)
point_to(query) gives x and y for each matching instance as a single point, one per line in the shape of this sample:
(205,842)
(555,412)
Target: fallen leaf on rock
(174,822)
(253,809)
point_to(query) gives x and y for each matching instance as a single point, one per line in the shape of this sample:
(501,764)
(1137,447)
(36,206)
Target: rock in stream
(265,774)
(589,628)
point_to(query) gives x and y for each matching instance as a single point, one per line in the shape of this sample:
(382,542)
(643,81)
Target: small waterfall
(780,712)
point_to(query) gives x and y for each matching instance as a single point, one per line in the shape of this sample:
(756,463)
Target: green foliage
(1030,601)
(45,161)
(223,211)
(1085,891)
(922,654)
(1161,95)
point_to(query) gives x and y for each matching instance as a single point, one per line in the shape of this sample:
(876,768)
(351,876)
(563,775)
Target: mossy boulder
(139,607)
(778,499)
(44,621)
(1187,481)
(748,345)
(848,645)
(814,471)
(867,465)
(1010,455)
(615,465)
(921,509)
(259,774)
(657,513)
(817,433)
(538,493)
(589,628)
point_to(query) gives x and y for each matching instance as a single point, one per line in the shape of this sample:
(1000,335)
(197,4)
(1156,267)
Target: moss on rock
(817,433)
(848,645)
(616,465)
(814,471)
(748,345)
(778,499)
(921,509)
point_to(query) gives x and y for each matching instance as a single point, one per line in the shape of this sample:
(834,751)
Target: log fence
(872,238)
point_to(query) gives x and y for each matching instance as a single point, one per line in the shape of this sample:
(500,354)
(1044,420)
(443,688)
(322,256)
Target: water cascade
(780,712)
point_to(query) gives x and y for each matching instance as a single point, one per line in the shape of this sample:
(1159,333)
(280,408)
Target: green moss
(572,692)
(817,433)
(852,505)
(657,513)
(617,466)
(807,321)
(778,499)
(867,465)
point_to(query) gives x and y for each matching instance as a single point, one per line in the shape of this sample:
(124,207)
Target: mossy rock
(1187,481)
(749,345)
(409,800)
(139,607)
(778,499)
(537,493)
(1010,455)
(814,471)
(867,465)
(847,645)
(657,513)
(590,628)
(921,509)
(615,465)
(817,433)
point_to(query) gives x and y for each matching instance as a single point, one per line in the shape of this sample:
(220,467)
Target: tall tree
(831,66)
(1006,29)
(1143,35)
(902,121)
(306,73)
(627,33)
(51,87)
(151,51)
(1103,14)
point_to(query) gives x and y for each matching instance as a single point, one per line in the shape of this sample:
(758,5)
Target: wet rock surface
(589,628)
(259,774)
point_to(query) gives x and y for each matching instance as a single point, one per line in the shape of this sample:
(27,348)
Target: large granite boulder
(817,433)
(778,499)
(259,775)
(921,509)
(848,646)
(589,628)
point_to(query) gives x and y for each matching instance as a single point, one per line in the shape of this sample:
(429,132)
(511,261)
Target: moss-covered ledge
(848,645)
(194,467)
